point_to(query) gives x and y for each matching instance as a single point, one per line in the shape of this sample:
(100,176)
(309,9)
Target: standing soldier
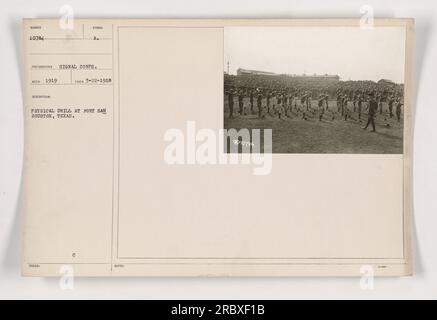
(345,110)
(373,107)
(339,100)
(259,103)
(360,105)
(285,103)
(379,101)
(231,103)
(251,101)
(398,109)
(241,102)
(295,98)
(302,101)
(355,101)
(327,102)
(309,101)
(268,101)
(321,107)
(281,109)
(390,105)
(343,104)
(278,100)
(284,99)
(290,103)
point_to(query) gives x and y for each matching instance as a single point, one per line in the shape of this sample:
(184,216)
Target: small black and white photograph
(319,89)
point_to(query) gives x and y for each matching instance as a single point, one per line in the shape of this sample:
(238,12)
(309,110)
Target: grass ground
(331,135)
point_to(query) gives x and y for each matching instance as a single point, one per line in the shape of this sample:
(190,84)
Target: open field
(331,135)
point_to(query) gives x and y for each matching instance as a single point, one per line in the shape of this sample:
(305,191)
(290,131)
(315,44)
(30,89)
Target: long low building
(241,72)
(310,77)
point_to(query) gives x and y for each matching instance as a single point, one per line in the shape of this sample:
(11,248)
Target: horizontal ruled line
(70,54)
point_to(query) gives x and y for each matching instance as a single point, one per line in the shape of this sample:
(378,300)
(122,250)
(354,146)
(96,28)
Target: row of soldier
(283,103)
(358,99)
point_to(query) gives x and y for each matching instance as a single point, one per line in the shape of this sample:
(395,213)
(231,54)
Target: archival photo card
(125,170)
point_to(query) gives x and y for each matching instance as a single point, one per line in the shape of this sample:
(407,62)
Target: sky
(350,52)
